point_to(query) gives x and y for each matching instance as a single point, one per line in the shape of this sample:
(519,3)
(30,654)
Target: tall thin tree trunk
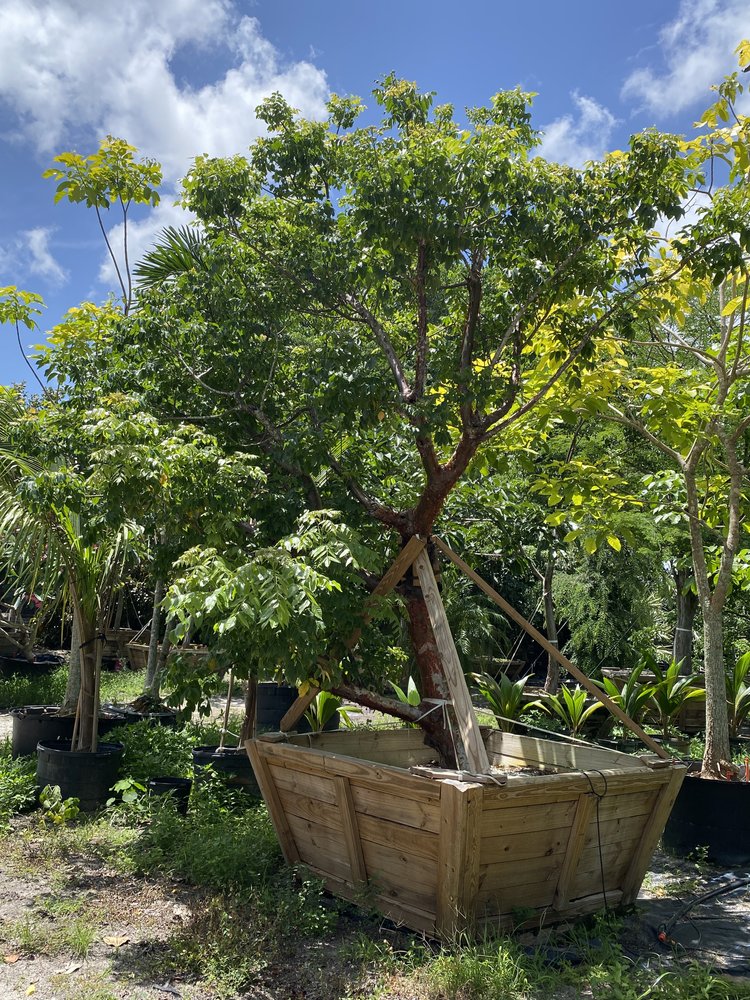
(687,608)
(251,710)
(552,680)
(73,685)
(88,709)
(154,689)
(153,646)
(717,716)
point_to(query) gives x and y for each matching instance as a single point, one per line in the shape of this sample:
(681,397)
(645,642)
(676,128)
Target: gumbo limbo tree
(373,307)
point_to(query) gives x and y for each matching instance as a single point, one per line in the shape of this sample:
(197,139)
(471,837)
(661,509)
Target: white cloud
(41,261)
(697,47)
(73,68)
(576,139)
(72,71)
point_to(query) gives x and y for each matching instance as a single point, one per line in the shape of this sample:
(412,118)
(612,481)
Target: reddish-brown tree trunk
(432,681)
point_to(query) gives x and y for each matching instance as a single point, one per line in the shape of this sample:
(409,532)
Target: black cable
(663,930)
(598,798)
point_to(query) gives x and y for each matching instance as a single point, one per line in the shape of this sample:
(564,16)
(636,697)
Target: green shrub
(17,783)
(44,689)
(152,750)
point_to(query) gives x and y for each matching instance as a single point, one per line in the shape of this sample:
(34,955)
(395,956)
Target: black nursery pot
(233,767)
(33,723)
(713,814)
(88,777)
(178,788)
(274,701)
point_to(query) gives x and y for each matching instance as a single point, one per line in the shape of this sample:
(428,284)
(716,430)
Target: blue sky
(182,77)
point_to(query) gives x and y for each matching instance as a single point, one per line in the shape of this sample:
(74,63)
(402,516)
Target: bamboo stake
(230,686)
(582,679)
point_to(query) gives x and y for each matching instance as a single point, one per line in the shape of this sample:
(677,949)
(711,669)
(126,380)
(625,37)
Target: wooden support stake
(582,679)
(345,803)
(578,830)
(275,808)
(389,580)
(650,836)
(458,858)
(468,727)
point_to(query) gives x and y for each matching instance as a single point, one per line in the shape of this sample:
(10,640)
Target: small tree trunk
(153,646)
(552,680)
(154,689)
(73,686)
(251,710)
(717,721)
(88,709)
(687,608)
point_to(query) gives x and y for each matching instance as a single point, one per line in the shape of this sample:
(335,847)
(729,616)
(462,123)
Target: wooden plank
(348,817)
(495,923)
(616,829)
(275,808)
(458,857)
(622,806)
(524,846)
(377,775)
(492,878)
(588,878)
(526,819)
(553,651)
(398,836)
(651,834)
(517,897)
(407,878)
(417,918)
(310,809)
(322,847)
(295,711)
(574,849)
(299,783)
(468,727)
(558,787)
(409,812)
(532,750)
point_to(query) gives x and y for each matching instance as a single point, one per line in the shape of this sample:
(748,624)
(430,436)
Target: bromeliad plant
(570,707)
(671,691)
(505,698)
(634,696)
(738,694)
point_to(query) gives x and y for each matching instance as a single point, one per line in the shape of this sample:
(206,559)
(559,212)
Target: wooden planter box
(445,856)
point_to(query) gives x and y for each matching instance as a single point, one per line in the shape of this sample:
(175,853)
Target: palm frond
(177,251)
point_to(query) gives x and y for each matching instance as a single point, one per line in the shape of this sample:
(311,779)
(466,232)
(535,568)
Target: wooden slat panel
(398,875)
(275,809)
(519,846)
(493,878)
(350,829)
(624,805)
(504,921)
(574,849)
(532,750)
(588,877)
(422,815)
(321,848)
(304,784)
(526,819)
(377,775)
(651,833)
(468,727)
(536,894)
(398,836)
(413,916)
(361,742)
(310,809)
(614,830)
(558,787)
